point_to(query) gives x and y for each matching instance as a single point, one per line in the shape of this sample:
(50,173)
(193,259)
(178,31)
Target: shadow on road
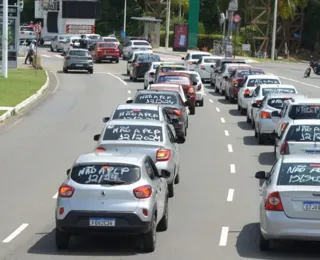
(267,158)
(250,140)
(245,126)
(234,112)
(91,245)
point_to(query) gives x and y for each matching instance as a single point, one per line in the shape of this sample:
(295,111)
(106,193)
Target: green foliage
(201,28)
(36,62)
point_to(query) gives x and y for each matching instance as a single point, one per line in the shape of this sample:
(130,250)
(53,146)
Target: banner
(180,36)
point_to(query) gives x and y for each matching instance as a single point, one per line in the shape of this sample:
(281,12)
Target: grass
(20,85)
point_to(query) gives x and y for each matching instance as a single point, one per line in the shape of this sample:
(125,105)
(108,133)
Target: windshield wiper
(112,182)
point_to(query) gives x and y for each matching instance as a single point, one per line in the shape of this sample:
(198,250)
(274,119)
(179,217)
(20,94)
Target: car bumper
(204,75)
(199,96)
(76,222)
(245,102)
(108,57)
(83,67)
(276,225)
(267,126)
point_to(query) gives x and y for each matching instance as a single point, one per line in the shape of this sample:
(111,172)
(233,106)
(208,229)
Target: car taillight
(163,155)
(71,44)
(259,102)
(190,62)
(68,58)
(273,202)
(22,32)
(150,76)
(66,191)
(89,58)
(175,112)
(100,150)
(191,91)
(284,149)
(199,87)
(60,42)
(143,192)
(137,64)
(134,48)
(247,92)
(264,115)
(283,127)
(235,83)
(203,68)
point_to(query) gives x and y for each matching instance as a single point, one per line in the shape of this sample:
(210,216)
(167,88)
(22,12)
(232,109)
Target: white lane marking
(204,94)
(55,196)
(16,122)
(300,82)
(58,56)
(222,120)
(232,168)
(58,83)
(211,100)
(129,98)
(224,236)
(118,78)
(230,149)
(226,132)
(218,110)
(47,56)
(230,195)
(15,233)
(129,91)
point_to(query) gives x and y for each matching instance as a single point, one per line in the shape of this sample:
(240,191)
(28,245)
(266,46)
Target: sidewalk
(169,51)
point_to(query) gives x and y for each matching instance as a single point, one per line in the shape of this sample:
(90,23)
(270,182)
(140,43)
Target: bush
(38,63)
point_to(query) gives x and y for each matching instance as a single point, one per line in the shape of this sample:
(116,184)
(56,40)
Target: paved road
(214,214)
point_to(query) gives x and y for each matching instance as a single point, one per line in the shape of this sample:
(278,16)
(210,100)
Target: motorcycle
(313,66)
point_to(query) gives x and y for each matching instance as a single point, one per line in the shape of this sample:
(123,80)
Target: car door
(174,146)
(157,184)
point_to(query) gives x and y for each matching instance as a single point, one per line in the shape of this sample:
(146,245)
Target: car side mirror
(182,58)
(274,135)
(261,175)
(225,77)
(105,119)
(129,61)
(180,139)
(194,83)
(212,66)
(186,103)
(152,74)
(96,137)
(165,173)
(247,95)
(275,114)
(254,105)
(174,121)
(217,71)
(68,171)
(129,101)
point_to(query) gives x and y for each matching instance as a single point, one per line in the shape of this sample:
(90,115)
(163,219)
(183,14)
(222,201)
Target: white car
(205,65)
(91,36)
(57,42)
(192,58)
(199,88)
(149,75)
(70,43)
(249,85)
(174,87)
(132,56)
(265,123)
(225,72)
(299,137)
(111,39)
(260,92)
(135,45)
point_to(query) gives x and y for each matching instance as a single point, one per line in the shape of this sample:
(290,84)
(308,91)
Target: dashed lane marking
(218,109)
(232,168)
(230,149)
(55,196)
(222,120)
(129,91)
(211,100)
(15,233)
(224,236)
(230,195)
(226,132)
(129,98)
(118,78)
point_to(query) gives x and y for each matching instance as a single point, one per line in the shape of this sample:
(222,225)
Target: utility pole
(5,39)
(125,17)
(274,29)
(168,24)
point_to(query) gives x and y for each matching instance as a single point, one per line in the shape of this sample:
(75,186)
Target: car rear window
(266,91)
(249,72)
(156,98)
(276,102)
(110,40)
(141,43)
(171,68)
(174,80)
(105,174)
(133,133)
(232,68)
(254,82)
(148,58)
(136,114)
(209,60)
(26,29)
(299,174)
(304,112)
(94,37)
(303,133)
(78,53)
(198,56)
(107,45)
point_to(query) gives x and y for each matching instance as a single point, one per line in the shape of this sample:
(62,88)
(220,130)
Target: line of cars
(290,193)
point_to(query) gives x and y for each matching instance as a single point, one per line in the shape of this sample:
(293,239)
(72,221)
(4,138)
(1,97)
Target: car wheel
(226,96)
(212,84)
(252,122)
(223,92)
(264,244)
(192,110)
(239,108)
(134,79)
(62,240)
(260,138)
(150,238)
(275,148)
(243,111)
(65,70)
(216,90)
(163,224)
(248,119)
(128,72)
(201,103)
(177,179)
(51,49)
(117,60)
(255,133)
(90,71)
(171,189)
(185,132)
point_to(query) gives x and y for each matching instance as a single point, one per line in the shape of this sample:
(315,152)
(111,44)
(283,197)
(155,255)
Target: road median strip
(20,89)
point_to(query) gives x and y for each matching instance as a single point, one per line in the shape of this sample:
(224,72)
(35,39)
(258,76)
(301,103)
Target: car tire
(51,49)
(185,131)
(192,110)
(260,138)
(216,90)
(62,240)
(264,244)
(90,71)
(163,224)
(201,103)
(255,133)
(212,84)
(128,72)
(243,111)
(226,96)
(117,60)
(171,189)
(222,92)
(65,70)
(248,119)
(150,238)
(253,124)
(239,108)
(177,179)
(134,79)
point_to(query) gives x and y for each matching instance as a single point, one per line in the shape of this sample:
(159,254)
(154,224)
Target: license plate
(108,57)
(79,65)
(143,49)
(102,222)
(311,206)
(312,151)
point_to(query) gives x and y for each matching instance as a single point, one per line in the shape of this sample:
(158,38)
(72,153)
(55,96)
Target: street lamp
(274,29)
(168,24)
(125,17)
(5,39)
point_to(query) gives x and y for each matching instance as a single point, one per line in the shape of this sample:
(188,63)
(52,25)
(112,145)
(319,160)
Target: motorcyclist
(83,42)
(31,50)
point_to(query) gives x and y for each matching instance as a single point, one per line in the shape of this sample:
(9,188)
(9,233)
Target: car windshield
(303,133)
(94,37)
(133,133)
(26,29)
(156,98)
(299,174)
(254,82)
(105,174)
(180,80)
(110,40)
(277,102)
(148,58)
(140,43)
(266,91)
(198,56)
(78,53)
(209,60)
(107,45)
(249,72)
(136,113)
(171,68)
(305,112)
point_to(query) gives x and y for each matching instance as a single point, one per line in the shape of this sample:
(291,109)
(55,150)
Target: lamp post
(125,17)
(5,39)
(274,29)
(168,24)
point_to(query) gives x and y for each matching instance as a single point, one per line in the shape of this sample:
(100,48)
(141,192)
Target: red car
(105,51)
(236,80)
(185,81)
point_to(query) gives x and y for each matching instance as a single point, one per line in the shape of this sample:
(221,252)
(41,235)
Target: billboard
(180,37)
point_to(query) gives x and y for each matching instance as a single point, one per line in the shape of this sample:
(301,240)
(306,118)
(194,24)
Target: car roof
(233,60)
(135,122)
(261,76)
(154,107)
(242,65)
(187,72)
(199,52)
(166,85)
(306,122)
(306,100)
(173,64)
(149,91)
(78,50)
(173,74)
(300,158)
(248,69)
(137,40)
(111,157)
(280,95)
(213,57)
(276,86)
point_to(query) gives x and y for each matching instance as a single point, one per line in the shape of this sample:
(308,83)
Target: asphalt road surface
(214,214)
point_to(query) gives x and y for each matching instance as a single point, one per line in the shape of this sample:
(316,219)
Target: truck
(66,17)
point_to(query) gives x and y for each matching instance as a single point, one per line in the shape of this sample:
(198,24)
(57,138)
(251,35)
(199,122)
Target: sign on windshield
(249,72)
(305,112)
(254,82)
(148,58)
(266,91)
(174,80)
(304,133)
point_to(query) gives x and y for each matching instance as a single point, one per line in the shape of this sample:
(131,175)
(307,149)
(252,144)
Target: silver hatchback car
(154,138)
(78,59)
(112,193)
(290,202)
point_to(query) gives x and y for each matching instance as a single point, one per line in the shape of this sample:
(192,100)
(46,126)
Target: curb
(26,102)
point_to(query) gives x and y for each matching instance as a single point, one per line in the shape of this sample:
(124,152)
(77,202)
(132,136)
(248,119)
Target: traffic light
(21,3)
